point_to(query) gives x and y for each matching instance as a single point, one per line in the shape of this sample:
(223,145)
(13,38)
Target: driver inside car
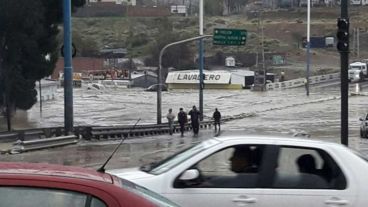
(244,163)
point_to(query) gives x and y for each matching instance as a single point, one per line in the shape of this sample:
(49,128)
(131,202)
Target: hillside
(283,31)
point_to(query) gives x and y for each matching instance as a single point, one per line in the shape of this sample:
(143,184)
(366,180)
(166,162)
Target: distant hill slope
(283,31)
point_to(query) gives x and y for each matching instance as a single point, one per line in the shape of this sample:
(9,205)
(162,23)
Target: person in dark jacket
(194,117)
(182,119)
(217,117)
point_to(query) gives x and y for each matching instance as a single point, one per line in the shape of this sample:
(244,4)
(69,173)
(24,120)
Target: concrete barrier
(24,146)
(300,81)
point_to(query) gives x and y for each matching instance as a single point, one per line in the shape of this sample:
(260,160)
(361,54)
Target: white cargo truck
(359,66)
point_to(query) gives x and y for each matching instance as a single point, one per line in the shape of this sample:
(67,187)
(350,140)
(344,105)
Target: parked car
(44,185)
(364,126)
(285,172)
(155,86)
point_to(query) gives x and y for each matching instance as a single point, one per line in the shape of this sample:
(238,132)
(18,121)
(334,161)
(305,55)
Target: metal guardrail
(106,132)
(24,146)
(301,81)
(38,133)
(41,138)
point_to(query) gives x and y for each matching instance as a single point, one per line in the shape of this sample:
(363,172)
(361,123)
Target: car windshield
(174,160)
(147,194)
(356,67)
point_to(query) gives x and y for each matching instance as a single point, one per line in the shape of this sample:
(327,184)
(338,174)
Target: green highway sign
(229,36)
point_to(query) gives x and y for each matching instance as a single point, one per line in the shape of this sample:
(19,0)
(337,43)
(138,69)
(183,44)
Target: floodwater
(284,112)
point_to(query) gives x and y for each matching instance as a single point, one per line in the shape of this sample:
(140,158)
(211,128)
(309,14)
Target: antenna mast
(102,168)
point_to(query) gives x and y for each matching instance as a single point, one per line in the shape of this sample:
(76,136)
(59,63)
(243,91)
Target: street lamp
(68,69)
(308,48)
(201,61)
(159,72)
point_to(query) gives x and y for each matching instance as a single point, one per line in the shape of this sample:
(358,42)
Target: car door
(218,183)
(306,177)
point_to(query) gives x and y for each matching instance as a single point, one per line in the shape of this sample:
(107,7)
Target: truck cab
(355,75)
(359,66)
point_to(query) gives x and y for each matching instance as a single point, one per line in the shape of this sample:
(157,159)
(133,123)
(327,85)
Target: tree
(213,7)
(86,46)
(297,37)
(28,33)
(235,6)
(178,56)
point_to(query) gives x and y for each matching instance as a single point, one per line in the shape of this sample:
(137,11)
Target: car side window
(42,197)
(307,168)
(233,167)
(95,202)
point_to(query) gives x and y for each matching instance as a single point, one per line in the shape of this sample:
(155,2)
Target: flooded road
(284,112)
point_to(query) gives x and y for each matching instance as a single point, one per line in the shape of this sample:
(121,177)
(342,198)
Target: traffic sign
(74,50)
(229,36)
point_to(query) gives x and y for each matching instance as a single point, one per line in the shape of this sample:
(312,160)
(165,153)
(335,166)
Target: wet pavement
(132,152)
(284,112)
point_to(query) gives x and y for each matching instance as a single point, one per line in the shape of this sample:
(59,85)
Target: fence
(301,81)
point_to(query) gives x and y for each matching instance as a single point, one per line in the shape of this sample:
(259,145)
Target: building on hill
(80,64)
(143,79)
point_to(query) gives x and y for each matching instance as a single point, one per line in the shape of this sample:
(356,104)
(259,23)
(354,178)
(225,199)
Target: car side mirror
(189,175)
(361,119)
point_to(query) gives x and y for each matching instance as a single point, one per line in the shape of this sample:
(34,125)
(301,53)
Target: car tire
(362,135)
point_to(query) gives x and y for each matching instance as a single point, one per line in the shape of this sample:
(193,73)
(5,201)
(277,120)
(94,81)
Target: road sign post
(229,37)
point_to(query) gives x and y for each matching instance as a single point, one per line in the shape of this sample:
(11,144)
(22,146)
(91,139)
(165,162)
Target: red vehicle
(46,185)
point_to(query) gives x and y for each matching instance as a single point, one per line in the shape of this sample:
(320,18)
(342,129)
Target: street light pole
(308,49)
(159,72)
(201,61)
(68,69)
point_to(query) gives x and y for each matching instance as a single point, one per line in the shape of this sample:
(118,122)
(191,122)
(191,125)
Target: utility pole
(130,36)
(358,42)
(201,61)
(8,112)
(68,69)
(4,78)
(308,49)
(40,89)
(354,48)
(263,53)
(260,76)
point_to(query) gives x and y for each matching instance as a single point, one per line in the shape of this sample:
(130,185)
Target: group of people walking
(195,115)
